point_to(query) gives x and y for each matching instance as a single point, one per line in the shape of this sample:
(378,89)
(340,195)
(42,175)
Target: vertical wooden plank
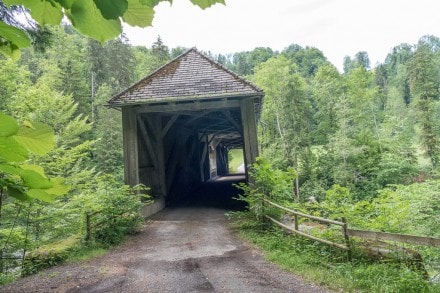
(160,155)
(130,144)
(250,139)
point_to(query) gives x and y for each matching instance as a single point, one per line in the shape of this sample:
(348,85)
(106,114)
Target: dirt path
(185,249)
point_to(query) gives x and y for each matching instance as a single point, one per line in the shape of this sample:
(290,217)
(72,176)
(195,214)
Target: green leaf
(14,35)
(65,3)
(33,176)
(34,168)
(58,187)
(88,20)
(112,9)
(18,194)
(10,169)
(35,180)
(12,40)
(8,125)
(43,11)
(41,194)
(38,139)
(11,150)
(138,14)
(152,3)
(206,3)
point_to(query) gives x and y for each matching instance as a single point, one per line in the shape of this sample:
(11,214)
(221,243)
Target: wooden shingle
(190,76)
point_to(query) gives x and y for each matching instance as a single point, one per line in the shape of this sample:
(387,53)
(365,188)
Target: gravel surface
(184,249)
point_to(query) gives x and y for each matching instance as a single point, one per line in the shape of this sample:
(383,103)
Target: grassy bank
(329,267)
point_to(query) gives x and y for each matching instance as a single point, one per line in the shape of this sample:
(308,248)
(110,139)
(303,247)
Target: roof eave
(240,96)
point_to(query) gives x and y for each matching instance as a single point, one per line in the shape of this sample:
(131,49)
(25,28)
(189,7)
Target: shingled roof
(190,76)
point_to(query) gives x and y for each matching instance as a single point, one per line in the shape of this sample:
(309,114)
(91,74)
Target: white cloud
(336,27)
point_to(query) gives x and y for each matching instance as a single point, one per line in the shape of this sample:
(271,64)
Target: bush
(118,209)
(267,183)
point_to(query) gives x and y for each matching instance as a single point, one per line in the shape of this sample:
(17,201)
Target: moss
(49,255)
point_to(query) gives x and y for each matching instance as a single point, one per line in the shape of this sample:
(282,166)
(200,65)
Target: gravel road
(183,249)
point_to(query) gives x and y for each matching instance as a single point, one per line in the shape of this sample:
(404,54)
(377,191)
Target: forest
(364,142)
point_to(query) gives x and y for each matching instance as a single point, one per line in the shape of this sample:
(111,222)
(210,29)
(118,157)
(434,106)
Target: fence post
(347,238)
(295,215)
(88,227)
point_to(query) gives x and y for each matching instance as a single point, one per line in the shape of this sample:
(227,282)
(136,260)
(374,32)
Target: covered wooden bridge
(180,122)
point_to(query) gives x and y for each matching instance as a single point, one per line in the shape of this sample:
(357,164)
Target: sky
(336,27)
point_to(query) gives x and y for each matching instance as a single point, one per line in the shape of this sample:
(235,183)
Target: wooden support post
(130,142)
(249,133)
(295,215)
(347,237)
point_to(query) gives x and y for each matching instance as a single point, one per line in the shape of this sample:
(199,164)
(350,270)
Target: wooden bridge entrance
(180,122)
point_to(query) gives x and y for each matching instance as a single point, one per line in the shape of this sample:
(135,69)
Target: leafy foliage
(23,181)
(98,19)
(267,183)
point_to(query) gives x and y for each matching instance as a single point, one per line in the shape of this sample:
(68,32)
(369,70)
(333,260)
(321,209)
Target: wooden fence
(346,232)
(419,240)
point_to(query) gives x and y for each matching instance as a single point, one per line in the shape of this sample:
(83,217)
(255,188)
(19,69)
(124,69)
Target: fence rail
(347,233)
(296,230)
(420,240)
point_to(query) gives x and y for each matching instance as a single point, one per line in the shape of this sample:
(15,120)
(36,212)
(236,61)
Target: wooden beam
(169,125)
(228,116)
(193,106)
(198,116)
(130,144)
(145,135)
(202,159)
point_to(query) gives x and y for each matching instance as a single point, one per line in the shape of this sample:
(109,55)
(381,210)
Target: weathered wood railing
(384,236)
(346,232)
(296,230)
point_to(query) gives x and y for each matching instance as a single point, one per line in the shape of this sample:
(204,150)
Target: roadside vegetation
(330,266)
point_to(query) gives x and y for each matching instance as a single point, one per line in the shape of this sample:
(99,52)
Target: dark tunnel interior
(220,193)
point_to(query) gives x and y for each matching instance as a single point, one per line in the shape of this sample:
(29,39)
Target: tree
(308,59)
(327,89)
(160,51)
(361,59)
(286,115)
(62,66)
(424,78)
(100,20)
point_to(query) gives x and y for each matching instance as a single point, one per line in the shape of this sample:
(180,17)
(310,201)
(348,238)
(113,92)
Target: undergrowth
(327,266)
